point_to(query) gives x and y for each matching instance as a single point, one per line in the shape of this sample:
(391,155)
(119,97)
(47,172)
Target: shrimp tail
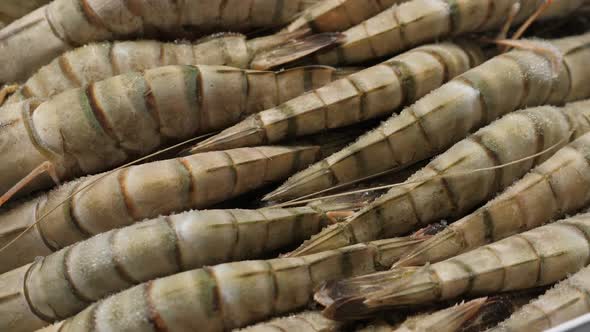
(295,49)
(354,298)
(431,250)
(314,174)
(251,126)
(334,236)
(455,317)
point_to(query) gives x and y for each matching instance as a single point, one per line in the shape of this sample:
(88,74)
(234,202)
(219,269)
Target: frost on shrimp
(221,297)
(567,300)
(416,22)
(33,40)
(94,62)
(70,279)
(450,185)
(557,187)
(134,193)
(549,252)
(95,128)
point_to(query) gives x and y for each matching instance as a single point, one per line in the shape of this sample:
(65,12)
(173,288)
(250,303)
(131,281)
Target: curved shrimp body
(419,21)
(132,194)
(567,300)
(374,92)
(42,35)
(92,129)
(444,188)
(513,80)
(65,282)
(229,295)
(559,186)
(99,61)
(518,262)
(307,321)
(338,15)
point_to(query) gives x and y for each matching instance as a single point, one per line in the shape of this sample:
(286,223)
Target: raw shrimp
(338,15)
(446,189)
(100,61)
(134,193)
(230,295)
(446,320)
(412,23)
(65,282)
(472,316)
(371,93)
(92,129)
(37,38)
(567,300)
(513,80)
(557,187)
(534,258)
(307,321)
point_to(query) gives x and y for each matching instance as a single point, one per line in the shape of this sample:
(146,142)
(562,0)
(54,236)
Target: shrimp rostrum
(37,38)
(70,279)
(522,261)
(94,128)
(221,297)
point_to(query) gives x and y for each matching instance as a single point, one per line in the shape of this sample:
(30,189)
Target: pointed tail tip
(273,196)
(201,147)
(279,195)
(297,49)
(338,305)
(404,261)
(217,142)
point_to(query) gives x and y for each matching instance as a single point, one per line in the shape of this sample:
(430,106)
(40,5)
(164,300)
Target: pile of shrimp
(294,165)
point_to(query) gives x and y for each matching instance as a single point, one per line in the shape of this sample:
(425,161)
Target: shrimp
(92,129)
(37,38)
(99,61)
(448,114)
(538,257)
(70,279)
(472,316)
(338,15)
(446,320)
(307,321)
(557,187)
(132,194)
(230,295)
(371,93)
(445,188)
(412,23)
(567,300)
